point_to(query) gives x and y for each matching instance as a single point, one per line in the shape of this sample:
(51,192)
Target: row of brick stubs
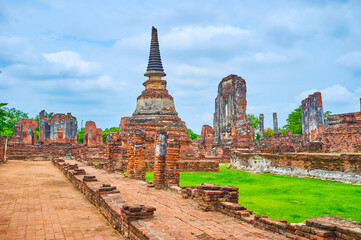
(122,216)
(224,199)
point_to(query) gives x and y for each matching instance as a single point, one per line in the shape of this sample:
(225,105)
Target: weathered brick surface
(313,122)
(95,154)
(343,133)
(24,132)
(206,142)
(92,135)
(279,143)
(60,128)
(21,151)
(230,118)
(2,149)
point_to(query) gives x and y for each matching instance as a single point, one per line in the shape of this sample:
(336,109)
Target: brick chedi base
(155,111)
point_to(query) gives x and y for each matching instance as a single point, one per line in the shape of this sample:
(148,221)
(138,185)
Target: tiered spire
(155,66)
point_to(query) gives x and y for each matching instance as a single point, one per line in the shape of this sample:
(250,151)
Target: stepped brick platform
(37,202)
(174,218)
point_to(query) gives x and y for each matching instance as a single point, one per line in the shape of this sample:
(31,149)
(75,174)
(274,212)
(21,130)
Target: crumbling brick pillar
(261,126)
(110,158)
(160,155)
(172,161)
(130,153)
(139,159)
(275,123)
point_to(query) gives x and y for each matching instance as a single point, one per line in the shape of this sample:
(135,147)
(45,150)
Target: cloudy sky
(88,57)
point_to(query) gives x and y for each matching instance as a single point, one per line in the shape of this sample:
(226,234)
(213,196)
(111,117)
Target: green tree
(253,121)
(3,115)
(192,134)
(294,121)
(81,135)
(104,133)
(8,117)
(268,132)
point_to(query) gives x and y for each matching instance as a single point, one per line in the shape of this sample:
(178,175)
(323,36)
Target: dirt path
(37,202)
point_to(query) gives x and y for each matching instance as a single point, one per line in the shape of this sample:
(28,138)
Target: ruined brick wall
(207,141)
(281,143)
(2,149)
(230,118)
(21,151)
(96,154)
(312,116)
(24,132)
(60,128)
(92,135)
(343,133)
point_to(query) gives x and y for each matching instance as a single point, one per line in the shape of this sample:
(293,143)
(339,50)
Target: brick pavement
(37,202)
(175,217)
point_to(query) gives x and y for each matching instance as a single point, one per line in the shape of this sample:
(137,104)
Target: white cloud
(351,61)
(186,70)
(72,62)
(184,37)
(103,82)
(263,57)
(337,98)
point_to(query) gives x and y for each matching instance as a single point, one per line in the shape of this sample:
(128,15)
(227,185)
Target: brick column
(130,154)
(261,126)
(275,123)
(110,158)
(139,159)
(172,162)
(160,142)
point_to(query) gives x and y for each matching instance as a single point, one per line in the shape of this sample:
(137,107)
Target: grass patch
(280,197)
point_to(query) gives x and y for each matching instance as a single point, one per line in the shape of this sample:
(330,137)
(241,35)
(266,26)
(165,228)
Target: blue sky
(88,57)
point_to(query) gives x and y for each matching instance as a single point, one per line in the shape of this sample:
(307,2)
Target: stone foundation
(343,167)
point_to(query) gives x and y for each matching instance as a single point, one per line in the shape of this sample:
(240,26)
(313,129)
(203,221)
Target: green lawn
(279,197)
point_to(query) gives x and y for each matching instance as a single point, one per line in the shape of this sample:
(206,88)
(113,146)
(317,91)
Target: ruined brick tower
(155,112)
(230,118)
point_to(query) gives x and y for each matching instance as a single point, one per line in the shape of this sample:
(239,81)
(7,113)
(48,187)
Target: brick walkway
(175,217)
(37,202)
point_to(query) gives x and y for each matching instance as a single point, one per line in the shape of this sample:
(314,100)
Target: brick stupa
(155,110)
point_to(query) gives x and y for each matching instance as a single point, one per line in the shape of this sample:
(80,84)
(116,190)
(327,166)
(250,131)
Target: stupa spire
(155,66)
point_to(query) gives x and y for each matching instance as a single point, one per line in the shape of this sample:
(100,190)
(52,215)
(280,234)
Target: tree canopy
(294,122)
(8,117)
(104,133)
(193,135)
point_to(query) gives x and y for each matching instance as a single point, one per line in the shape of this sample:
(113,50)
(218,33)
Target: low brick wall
(339,167)
(185,166)
(122,216)
(211,197)
(20,151)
